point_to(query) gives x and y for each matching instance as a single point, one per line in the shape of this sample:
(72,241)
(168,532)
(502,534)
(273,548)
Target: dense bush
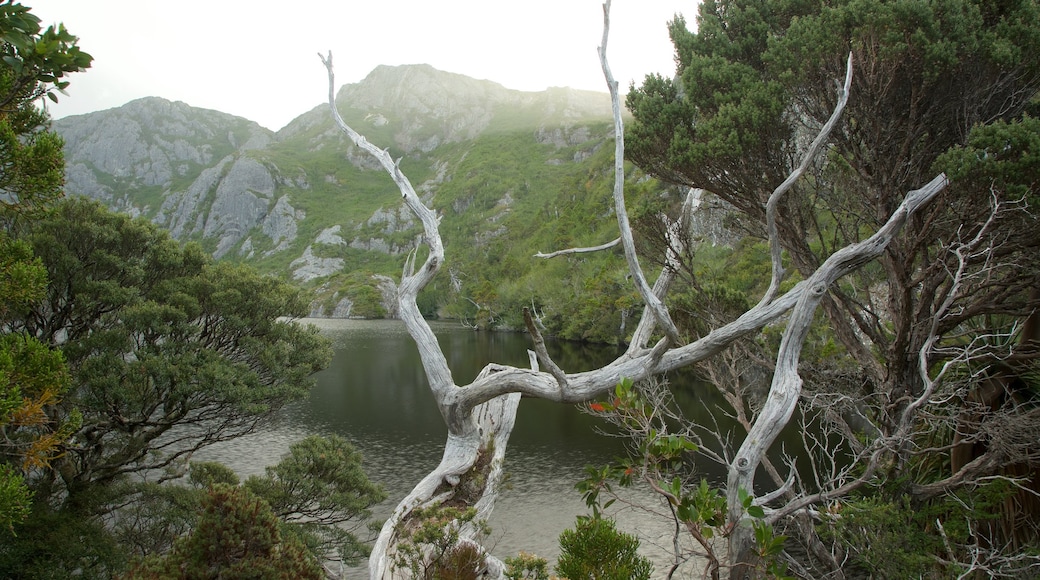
(596,550)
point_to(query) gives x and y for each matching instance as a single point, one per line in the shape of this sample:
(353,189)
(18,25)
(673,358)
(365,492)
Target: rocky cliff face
(188,169)
(207,176)
(305,203)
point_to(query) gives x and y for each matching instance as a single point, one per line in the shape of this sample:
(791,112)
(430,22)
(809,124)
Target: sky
(258,59)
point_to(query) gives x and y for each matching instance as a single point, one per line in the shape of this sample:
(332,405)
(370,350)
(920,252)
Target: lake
(375,394)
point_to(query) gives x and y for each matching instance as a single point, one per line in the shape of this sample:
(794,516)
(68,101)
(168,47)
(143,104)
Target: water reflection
(376,395)
(375,387)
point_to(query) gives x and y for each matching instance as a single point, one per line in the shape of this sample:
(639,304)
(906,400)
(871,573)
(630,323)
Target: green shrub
(888,536)
(430,546)
(595,550)
(526,566)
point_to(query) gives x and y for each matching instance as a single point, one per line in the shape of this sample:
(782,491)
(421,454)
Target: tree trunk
(479,417)
(466,476)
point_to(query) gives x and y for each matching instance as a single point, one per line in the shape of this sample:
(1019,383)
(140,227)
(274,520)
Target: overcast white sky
(258,59)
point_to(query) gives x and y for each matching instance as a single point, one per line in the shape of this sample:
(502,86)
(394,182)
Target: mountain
(511,173)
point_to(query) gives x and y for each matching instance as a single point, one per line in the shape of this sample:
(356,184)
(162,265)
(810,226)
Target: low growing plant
(596,550)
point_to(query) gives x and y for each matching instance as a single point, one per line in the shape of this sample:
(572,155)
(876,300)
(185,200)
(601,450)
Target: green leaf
(745,498)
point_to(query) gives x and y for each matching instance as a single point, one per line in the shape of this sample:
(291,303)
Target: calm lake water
(375,394)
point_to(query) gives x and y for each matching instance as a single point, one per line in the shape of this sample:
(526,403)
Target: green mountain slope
(511,173)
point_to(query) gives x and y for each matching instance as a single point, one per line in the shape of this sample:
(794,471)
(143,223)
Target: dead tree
(479,416)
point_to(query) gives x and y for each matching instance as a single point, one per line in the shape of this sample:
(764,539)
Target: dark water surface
(375,394)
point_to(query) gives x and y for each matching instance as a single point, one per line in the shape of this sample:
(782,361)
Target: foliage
(155,515)
(32,376)
(661,456)
(937,86)
(157,335)
(38,59)
(770,546)
(15,497)
(168,352)
(429,545)
(209,473)
(1005,154)
(755,81)
(596,550)
(23,279)
(237,537)
(317,492)
(886,535)
(526,566)
(53,545)
(320,490)
(35,64)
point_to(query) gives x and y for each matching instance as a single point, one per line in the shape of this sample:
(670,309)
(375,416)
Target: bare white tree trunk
(479,416)
(786,385)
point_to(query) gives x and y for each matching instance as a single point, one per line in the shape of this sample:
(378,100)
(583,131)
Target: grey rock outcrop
(242,199)
(189,162)
(388,289)
(308,266)
(330,237)
(707,222)
(181,210)
(343,308)
(280,224)
(148,143)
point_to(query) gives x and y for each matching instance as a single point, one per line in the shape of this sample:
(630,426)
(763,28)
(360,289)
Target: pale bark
(786,385)
(778,193)
(654,304)
(566,251)
(479,416)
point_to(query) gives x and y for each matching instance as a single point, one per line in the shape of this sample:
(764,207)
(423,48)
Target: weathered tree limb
(786,385)
(783,188)
(541,353)
(652,302)
(473,430)
(434,362)
(591,249)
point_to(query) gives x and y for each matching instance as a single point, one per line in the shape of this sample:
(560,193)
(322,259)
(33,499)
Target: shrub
(526,566)
(596,550)
(431,546)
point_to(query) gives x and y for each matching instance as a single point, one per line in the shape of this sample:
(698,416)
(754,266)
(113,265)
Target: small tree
(237,537)
(596,550)
(526,566)
(431,545)
(168,352)
(158,336)
(321,492)
(318,493)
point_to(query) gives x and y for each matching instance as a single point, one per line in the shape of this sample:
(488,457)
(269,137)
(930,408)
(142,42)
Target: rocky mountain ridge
(498,164)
